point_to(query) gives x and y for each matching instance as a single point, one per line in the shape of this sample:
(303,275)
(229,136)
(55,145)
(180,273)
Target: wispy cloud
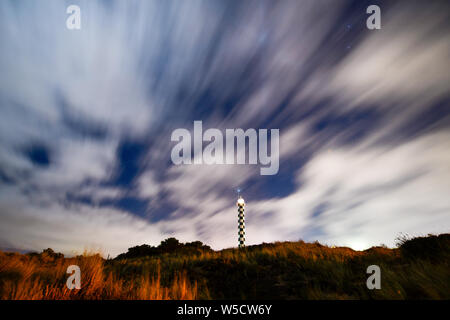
(363,118)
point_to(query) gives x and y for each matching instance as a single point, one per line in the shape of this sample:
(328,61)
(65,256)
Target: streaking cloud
(87,116)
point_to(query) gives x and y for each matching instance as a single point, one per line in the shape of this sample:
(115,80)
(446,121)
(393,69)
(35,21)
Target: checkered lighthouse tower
(241,222)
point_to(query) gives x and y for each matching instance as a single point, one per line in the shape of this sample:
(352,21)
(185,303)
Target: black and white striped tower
(241,220)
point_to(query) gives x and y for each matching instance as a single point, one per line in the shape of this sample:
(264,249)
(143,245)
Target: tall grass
(418,269)
(43,277)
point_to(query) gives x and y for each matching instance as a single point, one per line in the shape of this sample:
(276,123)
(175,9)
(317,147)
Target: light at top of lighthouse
(241,201)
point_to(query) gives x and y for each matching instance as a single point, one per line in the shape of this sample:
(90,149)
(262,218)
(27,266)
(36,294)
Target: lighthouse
(241,221)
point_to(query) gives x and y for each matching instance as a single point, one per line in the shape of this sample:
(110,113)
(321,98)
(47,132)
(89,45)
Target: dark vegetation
(418,268)
(170,246)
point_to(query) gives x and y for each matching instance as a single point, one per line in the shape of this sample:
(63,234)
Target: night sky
(87,115)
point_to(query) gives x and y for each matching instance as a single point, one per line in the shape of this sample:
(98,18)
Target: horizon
(88,115)
(89,252)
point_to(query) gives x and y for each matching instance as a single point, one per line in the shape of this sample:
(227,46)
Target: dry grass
(42,277)
(418,269)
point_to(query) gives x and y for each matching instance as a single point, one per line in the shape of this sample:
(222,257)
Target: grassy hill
(418,269)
